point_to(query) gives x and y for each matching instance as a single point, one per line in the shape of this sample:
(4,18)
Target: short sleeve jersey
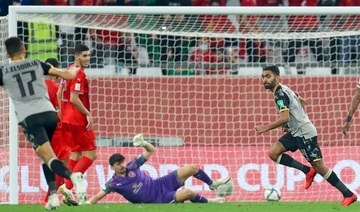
(79,85)
(300,124)
(52,91)
(25,83)
(135,186)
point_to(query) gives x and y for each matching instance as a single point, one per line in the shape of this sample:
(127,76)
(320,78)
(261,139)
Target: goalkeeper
(137,187)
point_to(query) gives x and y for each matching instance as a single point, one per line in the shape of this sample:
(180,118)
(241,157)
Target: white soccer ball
(272,194)
(226,190)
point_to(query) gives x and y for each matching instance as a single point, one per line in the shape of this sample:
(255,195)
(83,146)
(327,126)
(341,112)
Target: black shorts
(40,127)
(308,147)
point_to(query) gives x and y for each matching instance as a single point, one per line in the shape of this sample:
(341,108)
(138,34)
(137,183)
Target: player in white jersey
(25,83)
(301,135)
(353,107)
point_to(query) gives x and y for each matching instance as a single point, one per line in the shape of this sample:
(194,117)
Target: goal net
(4,121)
(188,80)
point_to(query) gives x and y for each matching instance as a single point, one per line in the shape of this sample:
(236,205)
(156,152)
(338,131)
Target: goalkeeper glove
(139,140)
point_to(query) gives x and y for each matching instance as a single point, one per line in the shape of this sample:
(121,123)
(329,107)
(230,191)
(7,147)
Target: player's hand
(346,128)
(90,122)
(260,129)
(285,128)
(59,114)
(138,140)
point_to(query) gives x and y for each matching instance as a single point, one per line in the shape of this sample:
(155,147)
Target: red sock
(71,164)
(83,164)
(46,198)
(59,181)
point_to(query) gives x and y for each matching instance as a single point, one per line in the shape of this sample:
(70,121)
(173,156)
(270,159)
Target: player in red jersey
(61,150)
(76,119)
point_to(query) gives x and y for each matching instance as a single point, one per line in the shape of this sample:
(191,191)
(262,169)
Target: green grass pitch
(211,207)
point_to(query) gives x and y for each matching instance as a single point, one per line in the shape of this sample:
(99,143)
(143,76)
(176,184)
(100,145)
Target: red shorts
(61,149)
(78,138)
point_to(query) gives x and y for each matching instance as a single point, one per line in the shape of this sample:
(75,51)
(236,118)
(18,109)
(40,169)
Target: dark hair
(215,1)
(117,157)
(13,46)
(273,68)
(52,61)
(80,48)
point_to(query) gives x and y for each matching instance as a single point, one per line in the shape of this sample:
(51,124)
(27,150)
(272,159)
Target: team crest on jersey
(77,86)
(131,174)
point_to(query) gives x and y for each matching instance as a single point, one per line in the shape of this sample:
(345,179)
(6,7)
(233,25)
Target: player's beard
(122,171)
(270,86)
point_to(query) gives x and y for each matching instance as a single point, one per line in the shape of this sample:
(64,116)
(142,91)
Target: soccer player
(24,82)
(61,150)
(353,107)
(137,187)
(77,120)
(302,135)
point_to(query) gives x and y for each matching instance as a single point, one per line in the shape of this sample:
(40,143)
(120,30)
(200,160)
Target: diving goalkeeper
(137,187)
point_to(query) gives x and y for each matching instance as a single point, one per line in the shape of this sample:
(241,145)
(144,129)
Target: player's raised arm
(149,148)
(353,107)
(95,199)
(51,70)
(68,75)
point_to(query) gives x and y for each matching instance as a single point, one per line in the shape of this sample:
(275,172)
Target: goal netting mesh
(4,121)
(191,85)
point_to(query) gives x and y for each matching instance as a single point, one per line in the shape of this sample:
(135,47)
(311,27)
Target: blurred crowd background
(197,55)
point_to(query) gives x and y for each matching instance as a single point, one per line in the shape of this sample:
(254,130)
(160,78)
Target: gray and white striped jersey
(300,124)
(25,83)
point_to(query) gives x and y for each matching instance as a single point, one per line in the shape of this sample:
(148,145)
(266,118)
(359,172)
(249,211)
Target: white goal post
(206,115)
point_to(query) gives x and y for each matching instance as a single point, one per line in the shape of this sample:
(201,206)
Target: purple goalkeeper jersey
(138,187)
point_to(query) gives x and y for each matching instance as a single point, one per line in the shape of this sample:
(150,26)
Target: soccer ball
(226,190)
(272,194)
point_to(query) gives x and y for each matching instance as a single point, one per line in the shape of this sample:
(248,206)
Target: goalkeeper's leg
(187,194)
(192,170)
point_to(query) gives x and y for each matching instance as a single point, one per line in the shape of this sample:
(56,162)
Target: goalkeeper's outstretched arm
(95,199)
(149,148)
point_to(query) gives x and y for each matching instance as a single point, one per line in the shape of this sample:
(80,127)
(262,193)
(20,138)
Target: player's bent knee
(91,154)
(320,167)
(45,152)
(185,194)
(273,156)
(194,168)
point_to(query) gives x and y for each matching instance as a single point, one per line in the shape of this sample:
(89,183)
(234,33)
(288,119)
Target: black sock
(286,160)
(50,178)
(59,168)
(336,182)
